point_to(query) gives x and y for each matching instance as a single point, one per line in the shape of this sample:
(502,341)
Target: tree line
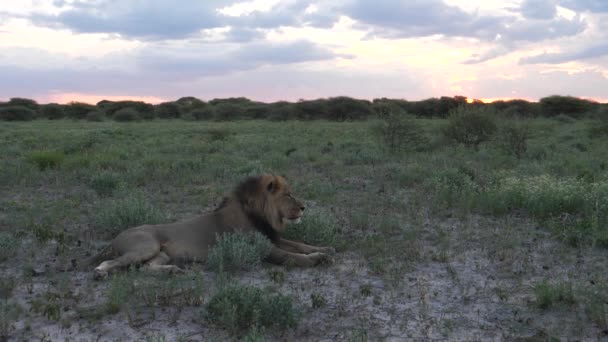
(340,108)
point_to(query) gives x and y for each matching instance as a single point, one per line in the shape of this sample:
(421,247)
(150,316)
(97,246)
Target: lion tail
(104,254)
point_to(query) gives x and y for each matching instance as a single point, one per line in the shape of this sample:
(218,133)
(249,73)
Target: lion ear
(271,187)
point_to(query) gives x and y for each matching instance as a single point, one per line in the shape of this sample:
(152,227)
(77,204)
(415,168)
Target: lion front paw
(327,250)
(318,258)
(99,274)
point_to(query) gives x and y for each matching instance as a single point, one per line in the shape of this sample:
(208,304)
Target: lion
(261,203)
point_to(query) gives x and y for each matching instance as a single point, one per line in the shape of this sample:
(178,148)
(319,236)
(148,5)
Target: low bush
(238,251)
(46,159)
(237,308)
(470,126)
(17,113)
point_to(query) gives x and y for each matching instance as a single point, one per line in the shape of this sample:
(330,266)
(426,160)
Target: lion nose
(302,207)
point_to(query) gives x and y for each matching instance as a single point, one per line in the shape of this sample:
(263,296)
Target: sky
(271,50)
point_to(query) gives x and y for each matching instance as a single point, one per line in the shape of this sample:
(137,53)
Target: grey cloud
(594,51)
(539,9)
(585,5)
(152,19)
(241,35)
(392,19)
(154,65)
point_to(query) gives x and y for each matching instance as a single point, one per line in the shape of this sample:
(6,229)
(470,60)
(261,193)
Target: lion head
(268,201)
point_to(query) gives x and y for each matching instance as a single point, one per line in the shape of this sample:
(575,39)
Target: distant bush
(167,110)
(16,113)
(227,111)
(238,252)
(204,113)
(513,138)
(239,307)
(21,102)
(600,127)
(126,114)
(399,131)
(52,111)
(572,106)
(347,109)
(470,126)
(96,116)
(46,159)
(78,110)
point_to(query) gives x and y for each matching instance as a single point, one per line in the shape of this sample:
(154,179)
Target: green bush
(513,138)
(153,289)
(236,251)
(105,183)
(167,110)
(239,307)
(96,116)
(46,159)
(548,295)
(126,114)
(205,113)
(16,113)
(9,313)
(600,127)
(317,228)
(128,211)
(78,110)
(9,245)
(399,131)
(470,126)
(52,111)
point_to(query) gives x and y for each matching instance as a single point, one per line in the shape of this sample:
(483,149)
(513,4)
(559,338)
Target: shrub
(53,111)
(96,116)
(239,307)
(167,110)
(126,114)
(548,295)
(227,111)
(400,131)
(129,211)
(572,106)
(78,110)
(317,228)
(105,183)
(16,113)
(205,113)
(600,127)
(513,138)
(9,244)
(9,313)
(470,126)
(151,289)
(46,159)
(21,102)
(236,251)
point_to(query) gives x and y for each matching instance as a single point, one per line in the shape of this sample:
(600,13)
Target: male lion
(262,203)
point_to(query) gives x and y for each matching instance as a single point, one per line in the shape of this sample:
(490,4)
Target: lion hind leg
(160,264)
(126,259)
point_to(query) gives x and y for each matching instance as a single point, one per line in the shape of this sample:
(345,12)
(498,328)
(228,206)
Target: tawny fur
(262,203)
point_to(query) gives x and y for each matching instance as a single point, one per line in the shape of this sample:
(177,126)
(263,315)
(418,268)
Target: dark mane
(245,190)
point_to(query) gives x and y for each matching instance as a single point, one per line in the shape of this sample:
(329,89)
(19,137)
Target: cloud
(539,9)
(152,67)
(594,51)
(585,5)
(145,20)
